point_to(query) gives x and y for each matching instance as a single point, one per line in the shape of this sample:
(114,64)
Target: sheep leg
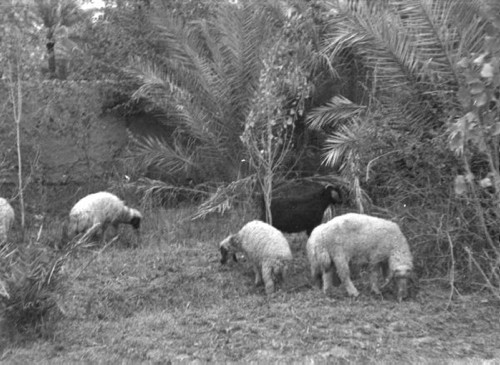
(98,234)
(327,277)
(267,276)
(114,230)
(279,274)
(344,275)
(316,275)
(374,270)
(258,276)
(384,265)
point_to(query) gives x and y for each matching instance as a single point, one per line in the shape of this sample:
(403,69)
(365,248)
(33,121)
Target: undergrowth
(174,274)
(170,299)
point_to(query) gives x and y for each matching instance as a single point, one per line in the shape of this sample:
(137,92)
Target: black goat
(300,208)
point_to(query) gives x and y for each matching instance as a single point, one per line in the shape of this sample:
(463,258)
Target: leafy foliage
(205,86)
(396,148)
(35,281)
(476,134)
(18,40)
(57,16)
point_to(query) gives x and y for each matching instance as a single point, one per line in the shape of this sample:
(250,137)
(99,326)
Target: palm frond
(206,81)
(175,158)
(411,40)
(338,110)
(156,84)
(386,50)
(224,198)
(491,11)
(153,190)
(342,146)
(442,29)
(55,13)
(35,284)
(410,48)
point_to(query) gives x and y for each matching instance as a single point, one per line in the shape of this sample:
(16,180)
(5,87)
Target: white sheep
(266,248)
(6,219)
(360,238)
(99,211)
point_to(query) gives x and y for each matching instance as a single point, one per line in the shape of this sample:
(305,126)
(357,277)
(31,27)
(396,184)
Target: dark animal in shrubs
(301,207)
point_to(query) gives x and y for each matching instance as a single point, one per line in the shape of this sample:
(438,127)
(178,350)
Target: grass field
(170,300)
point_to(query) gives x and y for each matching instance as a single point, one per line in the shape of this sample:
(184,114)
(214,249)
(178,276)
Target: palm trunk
(51,58)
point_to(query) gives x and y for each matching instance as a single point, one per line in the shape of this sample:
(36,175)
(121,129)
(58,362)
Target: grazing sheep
(6,219)
(266,248)
(302,209)
(360,238)
(101,210)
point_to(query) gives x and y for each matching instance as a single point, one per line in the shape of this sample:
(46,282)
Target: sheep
(360,238)
(6,219)
(99,211)
(266,248)
(302,209)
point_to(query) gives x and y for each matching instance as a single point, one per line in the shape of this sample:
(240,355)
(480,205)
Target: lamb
(6,219)
(266,248)
(101,210)
(301,208)
(362,239)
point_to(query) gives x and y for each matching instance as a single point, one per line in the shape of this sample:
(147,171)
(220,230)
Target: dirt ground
(171,301)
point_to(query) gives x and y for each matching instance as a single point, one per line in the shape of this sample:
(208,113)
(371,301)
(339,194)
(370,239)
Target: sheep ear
(334,194)
(223,252)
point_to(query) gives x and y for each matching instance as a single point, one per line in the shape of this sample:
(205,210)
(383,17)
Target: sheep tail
(279,269)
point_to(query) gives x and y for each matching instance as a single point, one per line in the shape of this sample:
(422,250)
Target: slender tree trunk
(51,58)
(16,96)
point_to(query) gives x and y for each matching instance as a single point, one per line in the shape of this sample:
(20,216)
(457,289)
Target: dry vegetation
(171,300)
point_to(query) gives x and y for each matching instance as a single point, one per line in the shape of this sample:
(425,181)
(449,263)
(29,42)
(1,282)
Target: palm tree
(410,51)
(413,53)
(56,15)
(203,85)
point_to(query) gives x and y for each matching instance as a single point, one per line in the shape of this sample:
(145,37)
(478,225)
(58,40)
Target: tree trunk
(51,58)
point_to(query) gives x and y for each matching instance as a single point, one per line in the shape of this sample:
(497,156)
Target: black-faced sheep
(99,211)
(360,238)
(302,208)
(266,248)
(6,219)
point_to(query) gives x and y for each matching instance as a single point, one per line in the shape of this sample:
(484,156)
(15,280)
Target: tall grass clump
(36,283)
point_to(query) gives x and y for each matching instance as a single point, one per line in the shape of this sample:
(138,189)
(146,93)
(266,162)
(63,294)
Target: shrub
(35,282)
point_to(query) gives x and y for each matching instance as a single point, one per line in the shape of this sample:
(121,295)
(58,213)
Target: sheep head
(334,195)
(402,278)
(135,218)
(226,248)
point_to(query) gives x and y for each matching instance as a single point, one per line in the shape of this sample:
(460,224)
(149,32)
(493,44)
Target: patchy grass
(171,300)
